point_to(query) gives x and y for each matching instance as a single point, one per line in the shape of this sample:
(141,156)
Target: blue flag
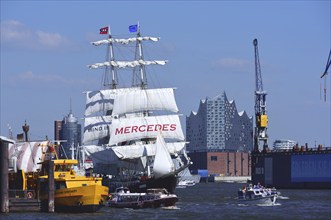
(133,28)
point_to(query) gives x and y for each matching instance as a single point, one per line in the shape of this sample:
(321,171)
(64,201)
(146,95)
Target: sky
(45,50)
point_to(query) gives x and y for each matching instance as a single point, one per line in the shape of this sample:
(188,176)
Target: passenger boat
(72,193)
(153,198)
(257,194)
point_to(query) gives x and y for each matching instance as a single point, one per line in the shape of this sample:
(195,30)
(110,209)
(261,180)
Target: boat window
(60,185)
(57,168)
(63,167)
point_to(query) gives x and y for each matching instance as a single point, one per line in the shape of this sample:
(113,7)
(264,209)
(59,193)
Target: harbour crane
(328,63)
(261,118)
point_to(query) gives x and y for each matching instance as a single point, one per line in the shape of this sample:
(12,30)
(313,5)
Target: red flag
(104,30)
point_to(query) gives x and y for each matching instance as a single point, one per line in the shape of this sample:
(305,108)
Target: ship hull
(293,169)
(80,199)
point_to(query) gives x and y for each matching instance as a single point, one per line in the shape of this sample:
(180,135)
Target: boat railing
(22,194)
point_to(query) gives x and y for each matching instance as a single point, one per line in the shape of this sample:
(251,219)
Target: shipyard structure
(287,165)
(220,138)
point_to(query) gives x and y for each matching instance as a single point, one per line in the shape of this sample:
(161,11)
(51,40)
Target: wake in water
(269,204)
(171,208)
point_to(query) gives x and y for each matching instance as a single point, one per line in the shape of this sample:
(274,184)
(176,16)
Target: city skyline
(45,53)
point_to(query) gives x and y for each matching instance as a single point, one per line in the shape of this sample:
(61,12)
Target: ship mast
(139,72)
(110,70)
(138,65)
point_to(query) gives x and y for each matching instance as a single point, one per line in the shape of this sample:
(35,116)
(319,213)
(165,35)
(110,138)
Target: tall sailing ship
(133,134)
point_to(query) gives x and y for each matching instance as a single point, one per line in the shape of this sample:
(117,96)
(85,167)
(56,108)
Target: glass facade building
(218,126)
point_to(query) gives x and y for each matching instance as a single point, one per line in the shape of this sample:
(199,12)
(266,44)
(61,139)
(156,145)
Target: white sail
(142,150)
(126,129)
(124,41)
(145,99)
(96,128)
(163,164)
(109,160)
(102,100)
(125,64)
(28,154)
(97,101)
(101,154)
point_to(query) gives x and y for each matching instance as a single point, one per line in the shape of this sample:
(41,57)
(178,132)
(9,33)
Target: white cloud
(30,76)
(230,62)
(50,39)
(16,34)
(32,79)
(232,65)
(12,30)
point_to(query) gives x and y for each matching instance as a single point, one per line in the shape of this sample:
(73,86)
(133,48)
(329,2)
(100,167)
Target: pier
(22,200)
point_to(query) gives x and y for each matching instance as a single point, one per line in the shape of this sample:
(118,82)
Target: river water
(210,201)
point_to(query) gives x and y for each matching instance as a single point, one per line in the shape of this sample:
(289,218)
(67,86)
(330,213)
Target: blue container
(203,173)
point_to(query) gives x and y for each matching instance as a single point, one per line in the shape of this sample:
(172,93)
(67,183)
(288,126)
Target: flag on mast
(104,30)
(133,28)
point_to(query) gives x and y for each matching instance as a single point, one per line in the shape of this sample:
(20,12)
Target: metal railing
(22,194)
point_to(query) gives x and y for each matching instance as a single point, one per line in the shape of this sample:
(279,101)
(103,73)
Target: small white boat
(257,194)
(185,183)
(154,198)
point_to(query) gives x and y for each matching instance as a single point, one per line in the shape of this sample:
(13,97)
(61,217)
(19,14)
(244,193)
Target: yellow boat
(73,193)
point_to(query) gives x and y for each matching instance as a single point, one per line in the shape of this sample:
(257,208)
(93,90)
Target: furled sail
(125,64)
(145,99)
(163,164)
(124,41)
(96,128)
(126,129)
(28,154)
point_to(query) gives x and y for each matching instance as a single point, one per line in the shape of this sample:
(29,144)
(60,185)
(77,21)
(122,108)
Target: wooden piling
(4,187)
(51,186)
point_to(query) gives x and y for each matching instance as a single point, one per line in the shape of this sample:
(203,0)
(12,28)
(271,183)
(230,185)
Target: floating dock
(293,169)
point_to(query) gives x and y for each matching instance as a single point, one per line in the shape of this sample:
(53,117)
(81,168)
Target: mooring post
(51,186)
(4,142)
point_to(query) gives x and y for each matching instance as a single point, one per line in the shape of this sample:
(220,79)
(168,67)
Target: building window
(213,158)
